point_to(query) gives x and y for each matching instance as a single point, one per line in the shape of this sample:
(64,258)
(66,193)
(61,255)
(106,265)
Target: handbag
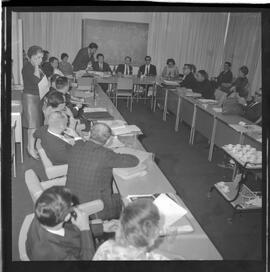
(232,107)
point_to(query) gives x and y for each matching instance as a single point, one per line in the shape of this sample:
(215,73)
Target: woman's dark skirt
(32,113)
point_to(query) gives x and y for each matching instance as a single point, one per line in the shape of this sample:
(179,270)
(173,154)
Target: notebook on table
(98,115)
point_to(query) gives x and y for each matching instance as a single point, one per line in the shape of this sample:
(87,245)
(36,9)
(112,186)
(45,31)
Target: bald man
(90,167)
(56,145)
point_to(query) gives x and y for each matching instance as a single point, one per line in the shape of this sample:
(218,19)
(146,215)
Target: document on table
(88,109)
(170,211)
(128,129)
(114,124)
(140,169)
(114,143)
(217,109)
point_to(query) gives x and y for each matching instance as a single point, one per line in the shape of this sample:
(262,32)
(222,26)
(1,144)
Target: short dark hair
(193,68)
(128,57)
(189,66)
(139,221)
(170,60)
(228,63)
(61,82)
(203,73)
(54,77)
(244,70)
(55,98)
(53,205)
(52,59)
(34,50)
(100,55)
(93,45)
(147,57)
(63,55)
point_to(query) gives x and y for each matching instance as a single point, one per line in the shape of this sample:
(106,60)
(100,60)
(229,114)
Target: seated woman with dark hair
(170,70)
(64,66)
(203,85)
(138,231)
(50,68)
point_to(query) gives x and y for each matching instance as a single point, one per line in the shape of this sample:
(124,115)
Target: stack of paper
(128,129)
(169,210)
(191,94)
(170,82)
(217,109)
(81,93)
(209,101)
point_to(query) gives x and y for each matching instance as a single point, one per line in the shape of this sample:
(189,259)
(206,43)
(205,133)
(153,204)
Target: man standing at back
(85,57)
(90,171)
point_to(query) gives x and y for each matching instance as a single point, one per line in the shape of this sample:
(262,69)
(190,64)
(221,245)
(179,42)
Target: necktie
(147,70)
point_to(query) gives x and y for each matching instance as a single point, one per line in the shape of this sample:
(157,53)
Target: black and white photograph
(134,135)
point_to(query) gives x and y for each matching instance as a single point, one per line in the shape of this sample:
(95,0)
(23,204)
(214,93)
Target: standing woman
(36,86)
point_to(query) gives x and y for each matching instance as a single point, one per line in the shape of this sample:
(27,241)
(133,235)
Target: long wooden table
(191,246)
(219,129)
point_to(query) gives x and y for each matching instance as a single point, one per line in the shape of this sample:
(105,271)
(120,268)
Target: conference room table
(207,119)
(112,81)
(195,245)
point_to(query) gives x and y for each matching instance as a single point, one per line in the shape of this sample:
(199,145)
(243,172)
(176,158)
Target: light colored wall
(136,17)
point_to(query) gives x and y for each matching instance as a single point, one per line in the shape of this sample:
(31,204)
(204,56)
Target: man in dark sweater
(90,167)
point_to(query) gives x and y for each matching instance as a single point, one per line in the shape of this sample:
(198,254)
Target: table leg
(165,105)
(212,140)
(177,114)
(192,131)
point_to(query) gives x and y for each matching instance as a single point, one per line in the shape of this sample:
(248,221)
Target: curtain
(196,38)
(55,32)
(243,46)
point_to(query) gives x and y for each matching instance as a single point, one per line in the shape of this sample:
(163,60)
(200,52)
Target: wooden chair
(52,171)
(13,148)
(124,88)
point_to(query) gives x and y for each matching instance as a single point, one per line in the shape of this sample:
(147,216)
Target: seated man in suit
(85,57)
(126,68)
(189,80)
(90,166)
(101,66)
(225,78)
(54,140)
(60,230)
(147,69)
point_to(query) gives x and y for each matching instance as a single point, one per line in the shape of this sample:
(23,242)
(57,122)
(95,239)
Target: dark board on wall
(117,39)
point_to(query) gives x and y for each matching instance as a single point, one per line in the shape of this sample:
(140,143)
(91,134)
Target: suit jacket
(42,245)
(82,59)
(56,149)
(189,82)
(89,174)
(152,70)
(106,67)
(205,88)
(121,69)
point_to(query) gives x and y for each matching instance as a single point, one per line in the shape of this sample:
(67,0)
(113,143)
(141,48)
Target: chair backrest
(52,171)
(23,236)
(135,70)
(124,83)
(33,184)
